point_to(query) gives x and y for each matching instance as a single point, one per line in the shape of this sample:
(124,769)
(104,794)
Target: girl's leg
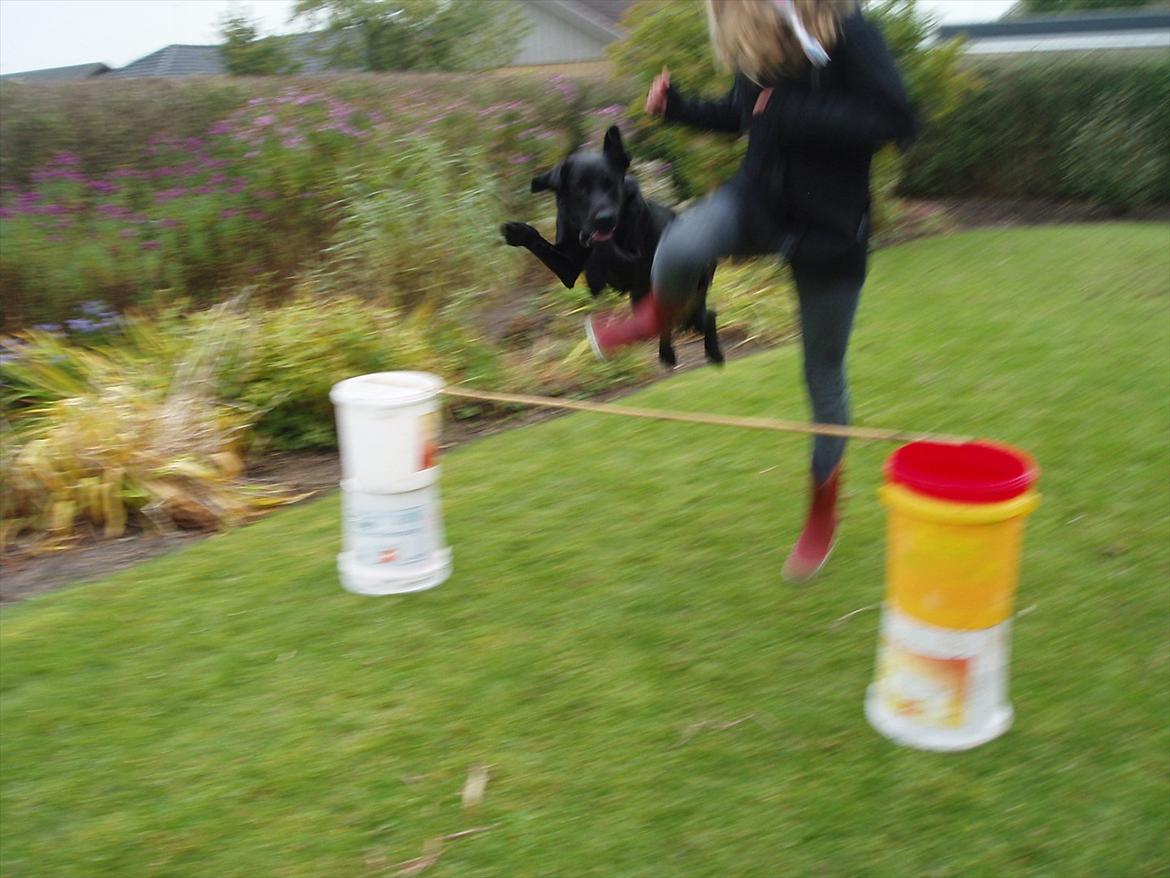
(701,235)
(828,303)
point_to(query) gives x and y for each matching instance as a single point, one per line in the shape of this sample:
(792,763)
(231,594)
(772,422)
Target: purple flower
(169,223)
(150,245)
(263,121)
(174,192)
(5,213)
(292,142)
(229,213)
(95,308)
(80,324)
(103,187)
(47,327)
(115,211)
(66,158)
(223,127)
(128,233)
(257,216)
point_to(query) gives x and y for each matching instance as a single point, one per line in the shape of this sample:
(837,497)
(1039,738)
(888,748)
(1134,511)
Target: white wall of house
(553,40)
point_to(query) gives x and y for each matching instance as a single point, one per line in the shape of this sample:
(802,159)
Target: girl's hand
(656,97)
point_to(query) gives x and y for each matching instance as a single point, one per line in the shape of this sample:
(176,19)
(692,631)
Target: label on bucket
(935,678)
(929,690)
(386,531)
(429,427)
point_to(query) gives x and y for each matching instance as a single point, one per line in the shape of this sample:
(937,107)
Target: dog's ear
(550,179)
(613,149)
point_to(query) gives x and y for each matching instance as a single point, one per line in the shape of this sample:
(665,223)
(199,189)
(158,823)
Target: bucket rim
(387,390)
(978,472)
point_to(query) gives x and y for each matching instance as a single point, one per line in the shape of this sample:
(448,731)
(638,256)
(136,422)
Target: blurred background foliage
(352,221)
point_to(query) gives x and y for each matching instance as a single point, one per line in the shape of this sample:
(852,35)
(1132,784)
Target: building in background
(569,32)
(1114,31)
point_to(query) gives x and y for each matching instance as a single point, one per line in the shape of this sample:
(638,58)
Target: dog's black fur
(607,229)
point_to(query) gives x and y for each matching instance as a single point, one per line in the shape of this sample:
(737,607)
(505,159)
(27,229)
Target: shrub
(252,195)
(286,359)
(1085,127)
(419,225)
(101,439)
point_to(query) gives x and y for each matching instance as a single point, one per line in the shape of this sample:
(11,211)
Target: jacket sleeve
(873,107)
(718,115)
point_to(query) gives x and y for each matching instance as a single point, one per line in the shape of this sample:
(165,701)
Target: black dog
(608,230)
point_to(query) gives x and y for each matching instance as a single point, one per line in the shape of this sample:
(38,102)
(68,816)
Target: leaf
(432,850)
(475,785)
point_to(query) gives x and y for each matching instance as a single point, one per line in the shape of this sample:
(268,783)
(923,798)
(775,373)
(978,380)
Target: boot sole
(789,576)
(592,336)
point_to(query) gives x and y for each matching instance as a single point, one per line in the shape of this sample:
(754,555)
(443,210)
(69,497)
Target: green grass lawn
(617,608)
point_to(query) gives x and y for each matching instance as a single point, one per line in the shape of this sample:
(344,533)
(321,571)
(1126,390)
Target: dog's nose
(604,222)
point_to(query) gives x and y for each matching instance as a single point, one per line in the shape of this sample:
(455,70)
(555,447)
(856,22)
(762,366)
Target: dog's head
(589,187)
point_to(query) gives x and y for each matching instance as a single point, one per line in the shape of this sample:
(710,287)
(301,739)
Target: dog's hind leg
(666,353)
(711,339)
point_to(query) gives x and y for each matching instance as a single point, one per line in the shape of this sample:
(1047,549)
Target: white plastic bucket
(392,531)
(388,430)
(938,689)
(392,543)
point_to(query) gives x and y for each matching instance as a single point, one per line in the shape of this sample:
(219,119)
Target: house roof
(1050,25)
(1086,31)
(176,60)
(609,11)
(596,17)
(59,74)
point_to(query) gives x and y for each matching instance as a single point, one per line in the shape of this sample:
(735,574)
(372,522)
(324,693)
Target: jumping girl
(817,92)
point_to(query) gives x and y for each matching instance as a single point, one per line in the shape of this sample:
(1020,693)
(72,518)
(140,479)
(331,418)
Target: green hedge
(1088,128)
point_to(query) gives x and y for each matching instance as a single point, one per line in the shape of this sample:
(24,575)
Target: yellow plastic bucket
(955,527)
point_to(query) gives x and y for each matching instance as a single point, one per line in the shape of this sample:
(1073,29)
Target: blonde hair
(751,36)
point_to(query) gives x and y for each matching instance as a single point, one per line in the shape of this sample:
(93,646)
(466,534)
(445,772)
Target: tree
(246,53)
(1050,7)
(420,34)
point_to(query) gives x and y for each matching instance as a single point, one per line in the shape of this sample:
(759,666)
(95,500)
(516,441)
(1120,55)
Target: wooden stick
(865,434)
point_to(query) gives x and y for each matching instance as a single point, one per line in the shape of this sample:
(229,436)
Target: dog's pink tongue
(600,236)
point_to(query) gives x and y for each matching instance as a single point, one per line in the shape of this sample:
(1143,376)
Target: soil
(25,575)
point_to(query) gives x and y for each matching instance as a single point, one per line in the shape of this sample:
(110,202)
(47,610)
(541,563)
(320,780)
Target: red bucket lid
(974,472)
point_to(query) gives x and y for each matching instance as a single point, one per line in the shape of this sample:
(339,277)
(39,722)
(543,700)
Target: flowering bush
(255,196)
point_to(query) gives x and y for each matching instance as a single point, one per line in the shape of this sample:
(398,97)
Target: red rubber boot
(610,331)
(816,541)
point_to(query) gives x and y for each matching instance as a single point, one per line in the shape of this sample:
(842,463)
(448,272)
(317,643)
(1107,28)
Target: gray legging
(828,300)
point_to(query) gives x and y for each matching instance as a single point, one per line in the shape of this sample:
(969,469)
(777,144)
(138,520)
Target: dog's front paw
(516,234)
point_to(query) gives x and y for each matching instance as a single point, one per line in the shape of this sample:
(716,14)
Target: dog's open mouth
(598,237)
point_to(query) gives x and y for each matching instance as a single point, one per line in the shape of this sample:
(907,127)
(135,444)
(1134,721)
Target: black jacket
(804,181)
